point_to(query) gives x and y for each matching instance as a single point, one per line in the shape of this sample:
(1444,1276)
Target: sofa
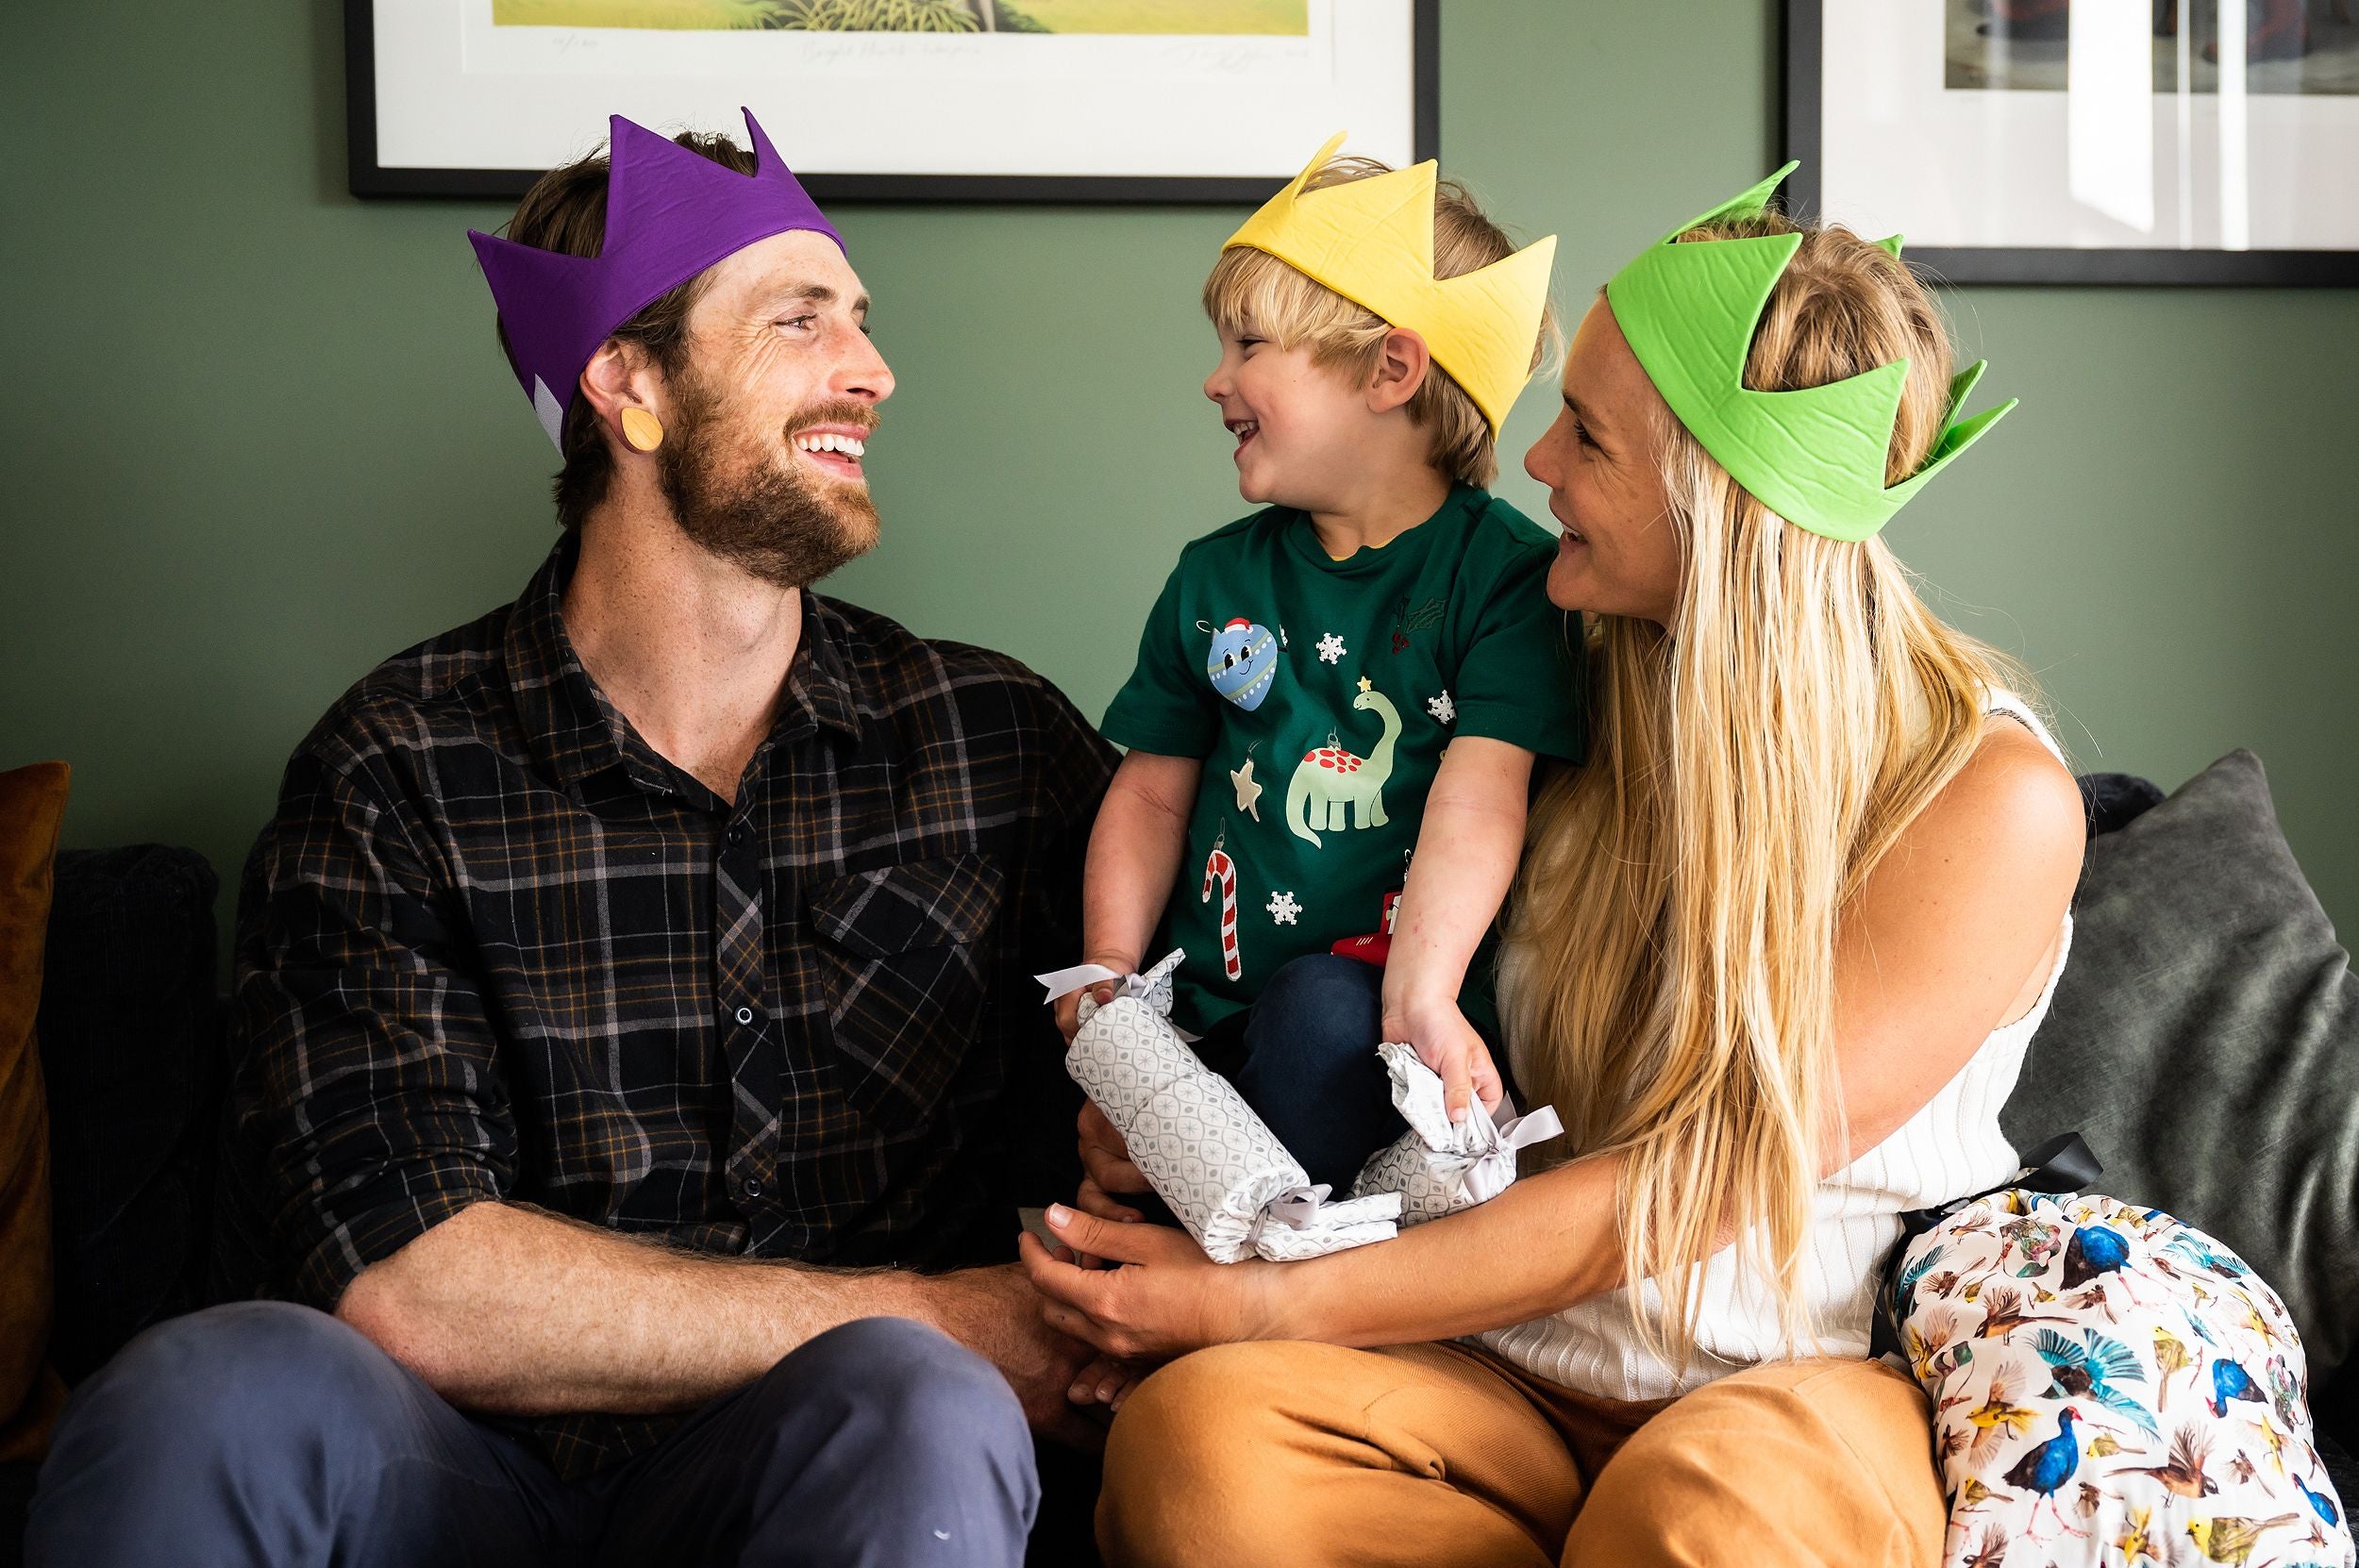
(2205,1038)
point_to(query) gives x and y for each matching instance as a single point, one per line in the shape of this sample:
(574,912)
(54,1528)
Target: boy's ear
(1400,370)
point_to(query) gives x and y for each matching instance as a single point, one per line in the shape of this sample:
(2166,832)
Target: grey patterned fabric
(2205,1039)
(1439,1165)
(1216,1163)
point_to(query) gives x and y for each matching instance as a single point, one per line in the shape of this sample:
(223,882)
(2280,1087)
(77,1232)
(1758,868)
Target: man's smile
(835,449)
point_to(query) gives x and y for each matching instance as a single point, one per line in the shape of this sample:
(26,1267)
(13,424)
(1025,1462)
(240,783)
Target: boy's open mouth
(1244,429)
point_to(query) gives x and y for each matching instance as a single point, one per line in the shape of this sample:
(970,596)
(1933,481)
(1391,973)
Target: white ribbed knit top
(1950,1148)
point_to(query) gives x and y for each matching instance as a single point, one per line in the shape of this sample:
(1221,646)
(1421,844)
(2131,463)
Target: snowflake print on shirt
(1442,709)
(1284,908)
(1331,649)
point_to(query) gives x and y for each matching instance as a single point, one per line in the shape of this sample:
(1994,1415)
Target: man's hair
(565,211)
(1252,289)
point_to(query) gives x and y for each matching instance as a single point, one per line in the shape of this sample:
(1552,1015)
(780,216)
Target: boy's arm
(1133,861)
(1467,848)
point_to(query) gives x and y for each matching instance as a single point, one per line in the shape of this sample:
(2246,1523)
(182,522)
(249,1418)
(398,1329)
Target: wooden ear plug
(642,429)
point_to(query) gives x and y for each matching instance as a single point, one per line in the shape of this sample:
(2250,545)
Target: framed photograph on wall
(2084,141)
(933,100)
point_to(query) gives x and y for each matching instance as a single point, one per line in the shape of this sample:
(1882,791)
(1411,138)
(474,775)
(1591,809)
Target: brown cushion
(32,802)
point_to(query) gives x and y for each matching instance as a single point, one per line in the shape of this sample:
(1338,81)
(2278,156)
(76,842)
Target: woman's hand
(1452,1048)
(1105,1158)
(1169,1300)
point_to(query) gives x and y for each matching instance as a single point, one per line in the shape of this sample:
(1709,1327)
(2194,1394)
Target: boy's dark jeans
(1304,1057)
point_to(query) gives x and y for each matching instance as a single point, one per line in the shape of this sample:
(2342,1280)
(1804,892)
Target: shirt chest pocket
(902,952)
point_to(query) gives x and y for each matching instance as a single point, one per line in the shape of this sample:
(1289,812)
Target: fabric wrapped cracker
(1203,1149)
(1439,1165)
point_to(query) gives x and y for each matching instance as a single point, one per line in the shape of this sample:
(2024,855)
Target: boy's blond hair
(1251,292)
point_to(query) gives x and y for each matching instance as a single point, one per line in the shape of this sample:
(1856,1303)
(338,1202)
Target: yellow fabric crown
(1371,240)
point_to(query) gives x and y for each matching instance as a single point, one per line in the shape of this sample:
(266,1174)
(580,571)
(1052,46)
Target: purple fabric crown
(670,213)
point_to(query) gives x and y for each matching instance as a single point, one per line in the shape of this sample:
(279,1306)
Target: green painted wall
(257,435)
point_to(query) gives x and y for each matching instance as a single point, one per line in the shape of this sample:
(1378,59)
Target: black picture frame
(1803,24)
(372,180)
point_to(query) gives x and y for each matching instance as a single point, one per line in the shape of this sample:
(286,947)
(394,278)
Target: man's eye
(801,320)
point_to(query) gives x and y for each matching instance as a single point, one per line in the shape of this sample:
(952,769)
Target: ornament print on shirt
(1242,664)
(1248,787)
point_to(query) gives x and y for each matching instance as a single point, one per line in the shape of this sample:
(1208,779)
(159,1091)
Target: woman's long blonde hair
(1672,938)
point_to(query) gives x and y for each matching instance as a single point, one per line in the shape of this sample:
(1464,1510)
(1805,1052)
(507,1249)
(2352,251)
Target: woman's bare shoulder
(2011,815)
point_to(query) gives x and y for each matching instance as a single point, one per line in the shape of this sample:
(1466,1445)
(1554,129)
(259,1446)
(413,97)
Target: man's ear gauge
(642,429)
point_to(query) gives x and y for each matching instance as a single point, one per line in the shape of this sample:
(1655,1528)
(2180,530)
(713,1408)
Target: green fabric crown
(1815,456)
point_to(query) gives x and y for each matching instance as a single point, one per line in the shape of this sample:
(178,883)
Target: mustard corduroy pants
(1443,1457)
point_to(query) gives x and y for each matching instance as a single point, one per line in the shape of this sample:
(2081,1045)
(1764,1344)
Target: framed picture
(2084,141)
(933,100)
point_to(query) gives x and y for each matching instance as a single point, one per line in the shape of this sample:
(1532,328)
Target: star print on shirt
(1442,708)
(1331,649)
(1284,908)
(1248,789)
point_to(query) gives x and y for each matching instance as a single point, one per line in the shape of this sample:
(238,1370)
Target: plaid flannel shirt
(504,950)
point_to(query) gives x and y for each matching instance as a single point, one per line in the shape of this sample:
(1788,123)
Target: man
(627,1033)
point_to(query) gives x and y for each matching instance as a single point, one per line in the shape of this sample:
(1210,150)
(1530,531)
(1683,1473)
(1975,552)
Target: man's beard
(735,497)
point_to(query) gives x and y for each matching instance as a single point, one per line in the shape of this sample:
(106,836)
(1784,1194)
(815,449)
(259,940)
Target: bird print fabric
(2111,1387)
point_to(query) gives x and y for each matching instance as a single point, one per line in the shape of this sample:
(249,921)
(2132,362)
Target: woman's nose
(1535,462)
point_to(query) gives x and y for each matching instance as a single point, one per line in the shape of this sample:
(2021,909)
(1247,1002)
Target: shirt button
(736,835)
(753,1187)
(745,1015)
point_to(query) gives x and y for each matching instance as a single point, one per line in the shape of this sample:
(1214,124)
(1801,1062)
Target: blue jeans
(1310,1066)
(269,1434)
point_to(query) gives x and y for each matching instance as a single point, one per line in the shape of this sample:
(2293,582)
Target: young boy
(1361,672)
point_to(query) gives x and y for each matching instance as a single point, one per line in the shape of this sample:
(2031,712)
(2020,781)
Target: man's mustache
(860,416)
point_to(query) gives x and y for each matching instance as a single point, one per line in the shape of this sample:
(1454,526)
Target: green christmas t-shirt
(1320,695)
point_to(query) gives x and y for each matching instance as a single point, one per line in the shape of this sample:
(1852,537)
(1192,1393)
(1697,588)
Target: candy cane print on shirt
(1219,868)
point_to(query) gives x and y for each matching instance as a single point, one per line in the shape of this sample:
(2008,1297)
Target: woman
(1775,954)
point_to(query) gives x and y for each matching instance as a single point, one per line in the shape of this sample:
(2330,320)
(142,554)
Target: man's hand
(1451,1045)
(996,1313)
(1106,1173)
(1107,1381)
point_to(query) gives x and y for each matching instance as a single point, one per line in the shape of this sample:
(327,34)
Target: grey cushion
(2205,1038)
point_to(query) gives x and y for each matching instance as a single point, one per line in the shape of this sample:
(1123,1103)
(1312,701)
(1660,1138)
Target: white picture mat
(1902,153)
(456,92)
